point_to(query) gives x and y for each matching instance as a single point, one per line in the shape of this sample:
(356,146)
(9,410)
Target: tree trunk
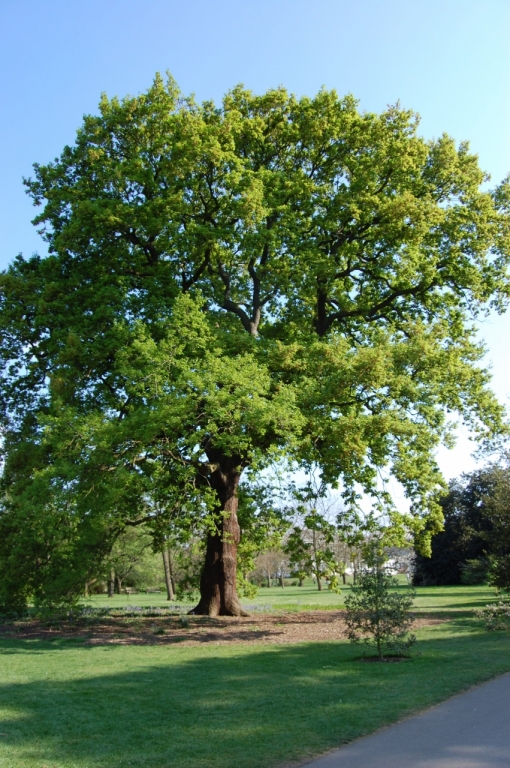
(344,578)
(282,583)
(168,577)
(268,580)
(301,581)
(218,589)
(172,574)
(319,583)
(111,584)
(118,585)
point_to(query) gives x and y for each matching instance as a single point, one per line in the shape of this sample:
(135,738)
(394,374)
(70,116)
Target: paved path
(471,730)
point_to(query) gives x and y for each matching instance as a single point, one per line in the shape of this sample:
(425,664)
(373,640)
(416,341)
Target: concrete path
(471,730)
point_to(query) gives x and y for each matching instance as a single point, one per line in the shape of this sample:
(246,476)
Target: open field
(221,702)
(436,599)
(65,705)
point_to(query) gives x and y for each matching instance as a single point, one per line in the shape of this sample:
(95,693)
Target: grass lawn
(64,704)
(428,599)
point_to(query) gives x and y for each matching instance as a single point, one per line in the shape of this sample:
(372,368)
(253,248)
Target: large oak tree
(277,278)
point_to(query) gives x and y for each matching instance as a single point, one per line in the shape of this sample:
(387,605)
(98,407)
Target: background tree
(133,560)
(263,523)
(496,503)
(310,548)
(169,573)
(476,529)
(275,278)
(297,551)
(272,564)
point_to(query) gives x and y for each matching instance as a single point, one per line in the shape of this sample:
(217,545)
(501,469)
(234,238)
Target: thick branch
(187,283)
(230,306)
(147,247)
(324,321)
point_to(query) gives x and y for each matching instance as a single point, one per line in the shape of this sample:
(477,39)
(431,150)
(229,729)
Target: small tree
(375,614)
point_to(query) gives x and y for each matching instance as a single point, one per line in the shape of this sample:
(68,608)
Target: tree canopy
(275,278)
(476,531)
(463,539)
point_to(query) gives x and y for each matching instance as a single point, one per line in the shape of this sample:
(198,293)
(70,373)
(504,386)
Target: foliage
(497,509)
(327,536)
(462,539)
(263,523)
(245,588)
(133,560)
(47,555)
(496,615)
(310,549)
(475,571)
(498,574)
(476,529)
(274,278)
(187,562)
(375,613)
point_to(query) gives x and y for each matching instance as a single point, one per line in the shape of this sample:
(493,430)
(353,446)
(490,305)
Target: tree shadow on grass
(450,609)
(217,707)
(451,593)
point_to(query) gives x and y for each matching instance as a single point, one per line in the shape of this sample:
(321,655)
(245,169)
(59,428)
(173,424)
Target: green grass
(428,599)
(66,706)
(453,600)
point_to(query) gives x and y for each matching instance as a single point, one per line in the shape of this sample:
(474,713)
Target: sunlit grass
(65,704)
(428,599)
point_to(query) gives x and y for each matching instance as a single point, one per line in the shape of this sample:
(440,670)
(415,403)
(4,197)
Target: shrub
(499,572)
(376,614)
(495,616)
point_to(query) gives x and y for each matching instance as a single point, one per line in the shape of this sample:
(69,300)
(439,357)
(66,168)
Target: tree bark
(168,576)
(111,584)
(218,588)
(172,572)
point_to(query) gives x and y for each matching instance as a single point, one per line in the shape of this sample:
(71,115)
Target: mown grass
(64,704)
(449,600)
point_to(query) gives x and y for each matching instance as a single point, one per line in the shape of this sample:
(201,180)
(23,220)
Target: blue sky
(448,60)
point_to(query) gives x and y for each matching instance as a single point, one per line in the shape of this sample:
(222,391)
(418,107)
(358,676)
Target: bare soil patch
(309,626)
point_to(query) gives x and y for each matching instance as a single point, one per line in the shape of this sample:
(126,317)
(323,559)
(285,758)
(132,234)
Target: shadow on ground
(75,706)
